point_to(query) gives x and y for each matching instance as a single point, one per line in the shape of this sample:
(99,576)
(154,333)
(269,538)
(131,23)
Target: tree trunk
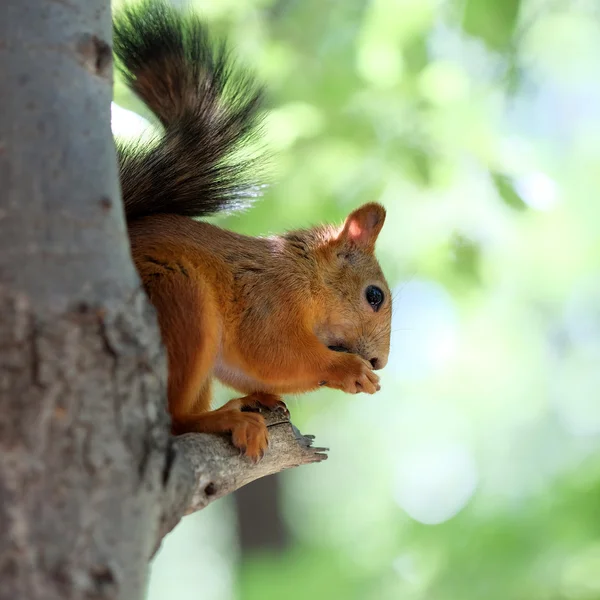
(90,479)
(83,435)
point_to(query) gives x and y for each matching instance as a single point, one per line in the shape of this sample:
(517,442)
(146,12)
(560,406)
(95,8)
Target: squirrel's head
(351,300)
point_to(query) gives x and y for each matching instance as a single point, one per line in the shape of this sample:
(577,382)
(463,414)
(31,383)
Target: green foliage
(493,22)
(507,192)
(323,575)
(474,474)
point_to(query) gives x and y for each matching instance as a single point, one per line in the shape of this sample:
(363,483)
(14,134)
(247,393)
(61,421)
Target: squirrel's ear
(362,226)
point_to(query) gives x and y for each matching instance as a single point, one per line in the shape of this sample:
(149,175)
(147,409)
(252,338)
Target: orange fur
(260,315)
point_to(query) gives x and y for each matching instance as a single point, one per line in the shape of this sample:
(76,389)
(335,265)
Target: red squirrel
(264,315)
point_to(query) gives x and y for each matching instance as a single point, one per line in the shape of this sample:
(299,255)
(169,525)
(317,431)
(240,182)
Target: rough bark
(89,478)
(205,467)
(83,435)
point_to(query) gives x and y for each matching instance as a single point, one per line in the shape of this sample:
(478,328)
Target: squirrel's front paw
(353,375)
(264,400)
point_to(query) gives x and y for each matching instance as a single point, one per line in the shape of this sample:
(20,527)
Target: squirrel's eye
(374,297)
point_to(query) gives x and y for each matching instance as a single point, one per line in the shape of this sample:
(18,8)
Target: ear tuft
(363,225)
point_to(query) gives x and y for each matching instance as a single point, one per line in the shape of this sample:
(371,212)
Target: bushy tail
(209,109)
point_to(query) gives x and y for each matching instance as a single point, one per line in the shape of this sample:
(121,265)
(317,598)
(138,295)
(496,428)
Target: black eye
(374,297)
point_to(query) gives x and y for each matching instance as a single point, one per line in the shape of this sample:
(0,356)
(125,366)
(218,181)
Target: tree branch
(204,467)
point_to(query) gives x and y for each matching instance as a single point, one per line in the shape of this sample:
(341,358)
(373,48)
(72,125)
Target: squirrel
(266,316)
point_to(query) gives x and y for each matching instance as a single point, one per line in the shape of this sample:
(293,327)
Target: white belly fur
(238,379)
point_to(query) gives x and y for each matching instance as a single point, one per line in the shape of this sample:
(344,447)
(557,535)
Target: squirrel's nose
(378,362)
(375,363)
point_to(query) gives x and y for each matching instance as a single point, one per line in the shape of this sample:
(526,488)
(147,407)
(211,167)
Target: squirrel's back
(208,107)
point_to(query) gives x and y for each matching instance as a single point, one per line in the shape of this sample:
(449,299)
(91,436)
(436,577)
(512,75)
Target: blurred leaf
(415,54)
(466,256)
(491,20)
(507,191)
(419,165)
(514,74)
